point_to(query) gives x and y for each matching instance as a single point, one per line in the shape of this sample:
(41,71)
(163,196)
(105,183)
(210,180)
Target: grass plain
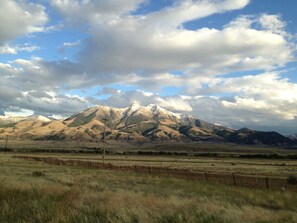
(246,166)
(157,146)
(37,192)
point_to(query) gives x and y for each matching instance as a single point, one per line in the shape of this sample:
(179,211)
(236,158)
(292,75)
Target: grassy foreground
(37,192)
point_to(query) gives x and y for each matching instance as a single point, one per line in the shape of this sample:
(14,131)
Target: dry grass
(264,167)
(74,194)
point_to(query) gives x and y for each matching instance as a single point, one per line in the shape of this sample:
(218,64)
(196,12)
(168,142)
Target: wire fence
(236,179)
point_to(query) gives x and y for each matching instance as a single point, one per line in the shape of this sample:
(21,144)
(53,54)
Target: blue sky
(231,62)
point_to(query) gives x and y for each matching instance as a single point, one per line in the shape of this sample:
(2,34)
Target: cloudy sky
(230,62)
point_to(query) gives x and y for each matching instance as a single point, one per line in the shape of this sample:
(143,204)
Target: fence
(277,183)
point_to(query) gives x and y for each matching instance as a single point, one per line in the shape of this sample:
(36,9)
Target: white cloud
(246,103)
(127,47)
(174,103)
(145,93)
(19,18)
(267,93)
(62,48)
(188,10)
(41,102)
(71,44)
(81,11)
(6,49)
(19,112)
(245,112)
(27,47)
(267,85)
(143,49)
(121,99)
(38,73)
(272,23)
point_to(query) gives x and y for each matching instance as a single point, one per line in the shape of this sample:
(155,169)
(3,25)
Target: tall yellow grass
(75,194)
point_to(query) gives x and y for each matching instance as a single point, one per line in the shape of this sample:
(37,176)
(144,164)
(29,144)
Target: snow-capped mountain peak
(134,107)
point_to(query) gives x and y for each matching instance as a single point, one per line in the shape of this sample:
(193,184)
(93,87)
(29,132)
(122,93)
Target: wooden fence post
(6,144)
(234,179)
(267,182)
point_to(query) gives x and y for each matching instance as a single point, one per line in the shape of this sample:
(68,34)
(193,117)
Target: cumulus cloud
(272,22)
(7,49)
(269,86)
(242,112)
(71,44)
(124,43)
(52,103)
(144,49)
(122,99)
(37,73)
(188,10)
(80,11)
(16,93)
(265,99)
(175,103)
(130,45)
(62,48)
(20,18)
(40,102)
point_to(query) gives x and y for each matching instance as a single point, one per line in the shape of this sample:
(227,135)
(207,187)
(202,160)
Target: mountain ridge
(136,123)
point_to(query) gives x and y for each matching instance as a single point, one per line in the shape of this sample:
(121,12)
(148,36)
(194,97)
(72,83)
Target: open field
(259,167)
(32,191)
(118,146)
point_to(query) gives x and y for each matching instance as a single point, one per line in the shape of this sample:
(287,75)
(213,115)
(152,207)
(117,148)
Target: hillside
(135,124)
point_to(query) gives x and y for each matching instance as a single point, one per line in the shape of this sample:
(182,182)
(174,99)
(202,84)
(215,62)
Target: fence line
(225,178)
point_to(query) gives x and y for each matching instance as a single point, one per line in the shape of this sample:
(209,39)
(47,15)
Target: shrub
(292,179)
(37,174)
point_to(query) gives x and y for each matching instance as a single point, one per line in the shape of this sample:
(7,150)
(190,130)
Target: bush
(292,179)
(38,174)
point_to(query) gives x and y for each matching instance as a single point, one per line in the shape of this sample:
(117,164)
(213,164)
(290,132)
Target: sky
(228,62)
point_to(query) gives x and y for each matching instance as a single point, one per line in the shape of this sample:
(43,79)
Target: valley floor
(36,192)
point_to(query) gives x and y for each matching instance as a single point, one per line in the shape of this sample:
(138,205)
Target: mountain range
(134,124)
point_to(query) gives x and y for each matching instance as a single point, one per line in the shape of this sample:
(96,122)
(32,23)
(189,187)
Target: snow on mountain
(293,137)
(157,109)
(133,108)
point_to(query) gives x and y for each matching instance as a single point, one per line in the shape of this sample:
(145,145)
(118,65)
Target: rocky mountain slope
(135,124)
